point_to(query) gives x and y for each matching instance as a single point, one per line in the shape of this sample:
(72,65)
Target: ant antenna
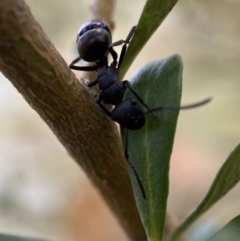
(131,165)
(184,107)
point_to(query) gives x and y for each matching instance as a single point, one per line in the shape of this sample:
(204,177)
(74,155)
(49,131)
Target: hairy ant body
(94,44)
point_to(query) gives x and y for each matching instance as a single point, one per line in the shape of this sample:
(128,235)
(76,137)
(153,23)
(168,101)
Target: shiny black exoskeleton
(93,39)
(94,45)
(112,90)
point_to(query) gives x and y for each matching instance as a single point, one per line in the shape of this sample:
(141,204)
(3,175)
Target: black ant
(94,45)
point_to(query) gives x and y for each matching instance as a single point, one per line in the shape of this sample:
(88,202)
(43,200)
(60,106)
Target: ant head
(93,40)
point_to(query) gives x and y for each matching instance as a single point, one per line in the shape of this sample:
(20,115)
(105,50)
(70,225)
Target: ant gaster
(94,44)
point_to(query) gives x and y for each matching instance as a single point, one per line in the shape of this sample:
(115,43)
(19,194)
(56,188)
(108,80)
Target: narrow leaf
(154,12)
(159,84)
(227,177)
(231,232)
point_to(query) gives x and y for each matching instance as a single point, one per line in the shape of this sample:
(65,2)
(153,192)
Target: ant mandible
(94,42)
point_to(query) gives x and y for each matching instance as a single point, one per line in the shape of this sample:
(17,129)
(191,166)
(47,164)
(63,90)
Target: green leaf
(227,177)
(159,84)
(5,237)
(154,12)
(231,232)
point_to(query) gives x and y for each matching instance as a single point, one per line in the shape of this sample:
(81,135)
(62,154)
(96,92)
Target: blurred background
(44,193)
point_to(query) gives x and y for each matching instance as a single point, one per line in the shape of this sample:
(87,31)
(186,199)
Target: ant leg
(114,55)
(120,42)
(105,110)
(131,165)
(99,99)
(92,83)
(124,48)
(138,97)
(84,68)
(81,68)
(75,61)
(130,34)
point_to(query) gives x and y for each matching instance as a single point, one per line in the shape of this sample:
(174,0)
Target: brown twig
(104,9)
(35,68)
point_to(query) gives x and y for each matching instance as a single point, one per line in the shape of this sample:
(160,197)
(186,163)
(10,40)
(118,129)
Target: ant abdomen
(129,114)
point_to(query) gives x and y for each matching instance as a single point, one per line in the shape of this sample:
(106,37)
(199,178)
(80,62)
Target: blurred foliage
(230,232)
(4,237)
